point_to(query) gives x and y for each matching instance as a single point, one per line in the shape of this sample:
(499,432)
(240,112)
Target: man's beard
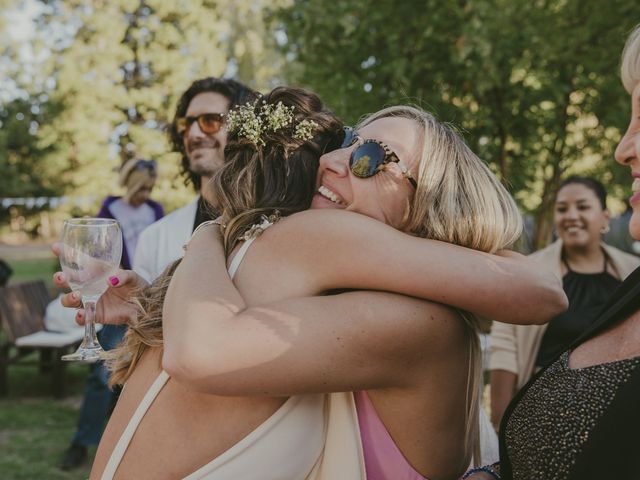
(201,162)
(201,170)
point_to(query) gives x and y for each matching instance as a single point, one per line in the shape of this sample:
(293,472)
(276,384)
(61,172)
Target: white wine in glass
(91,252)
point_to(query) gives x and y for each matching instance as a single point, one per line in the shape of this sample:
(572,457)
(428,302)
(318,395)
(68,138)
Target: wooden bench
(22,309)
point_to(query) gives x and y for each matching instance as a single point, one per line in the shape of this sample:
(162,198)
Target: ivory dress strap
(235,263)
(127,435)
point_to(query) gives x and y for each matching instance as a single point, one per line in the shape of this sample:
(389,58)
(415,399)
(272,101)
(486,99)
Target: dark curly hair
(236,92)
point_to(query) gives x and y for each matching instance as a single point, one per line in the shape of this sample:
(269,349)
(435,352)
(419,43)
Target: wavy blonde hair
(630,64)
(458,200)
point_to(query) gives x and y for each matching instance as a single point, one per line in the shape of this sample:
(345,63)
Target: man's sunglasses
(209,123)
(371,156)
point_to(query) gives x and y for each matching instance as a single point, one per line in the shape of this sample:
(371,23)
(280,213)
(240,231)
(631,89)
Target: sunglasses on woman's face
(209,123)
(371,156)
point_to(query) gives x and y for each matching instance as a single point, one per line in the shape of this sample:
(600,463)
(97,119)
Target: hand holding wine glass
(91,253)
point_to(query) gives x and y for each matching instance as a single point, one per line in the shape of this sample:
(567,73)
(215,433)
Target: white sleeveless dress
(310,437)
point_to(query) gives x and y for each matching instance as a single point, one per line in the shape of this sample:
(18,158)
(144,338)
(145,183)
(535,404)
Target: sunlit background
(86,85)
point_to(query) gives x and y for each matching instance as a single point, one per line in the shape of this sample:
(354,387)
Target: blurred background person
(134,211)
(590,270)
(197,134)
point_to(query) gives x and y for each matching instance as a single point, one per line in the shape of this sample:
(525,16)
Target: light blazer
(161,242)
(514,348)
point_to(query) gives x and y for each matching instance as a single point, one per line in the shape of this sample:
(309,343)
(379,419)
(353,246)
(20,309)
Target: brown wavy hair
(278,177)
(281,175)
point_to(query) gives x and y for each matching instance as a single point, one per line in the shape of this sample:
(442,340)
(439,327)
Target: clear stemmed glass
(91,251)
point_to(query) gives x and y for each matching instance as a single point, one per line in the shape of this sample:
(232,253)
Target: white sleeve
(145,255)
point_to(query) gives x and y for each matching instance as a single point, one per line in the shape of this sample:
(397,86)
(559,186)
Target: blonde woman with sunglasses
(253,370)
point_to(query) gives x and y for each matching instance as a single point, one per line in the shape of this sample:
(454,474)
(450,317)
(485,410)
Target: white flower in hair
(304,130)
(269,118)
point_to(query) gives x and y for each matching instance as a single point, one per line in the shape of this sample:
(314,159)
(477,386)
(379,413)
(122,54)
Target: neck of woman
(584,259)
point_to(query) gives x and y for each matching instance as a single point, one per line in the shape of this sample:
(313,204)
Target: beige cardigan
(514,347)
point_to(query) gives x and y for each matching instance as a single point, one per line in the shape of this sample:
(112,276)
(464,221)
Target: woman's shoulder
(331,222)
(328,215)
(623,261)
(417,322)
(157,207)
(109,200)
(549,253)
(105,207)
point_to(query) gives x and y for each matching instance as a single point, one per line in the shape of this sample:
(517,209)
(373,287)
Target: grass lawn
(35,429)
(34,269)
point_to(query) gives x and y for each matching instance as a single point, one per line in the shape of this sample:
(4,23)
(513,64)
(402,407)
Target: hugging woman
(269,377)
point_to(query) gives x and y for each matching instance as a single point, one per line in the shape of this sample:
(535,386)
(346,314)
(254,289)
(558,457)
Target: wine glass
(91,251)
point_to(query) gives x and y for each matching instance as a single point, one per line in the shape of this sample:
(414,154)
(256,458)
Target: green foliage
(22,162)
(35,430)
(111,75)
(533,85)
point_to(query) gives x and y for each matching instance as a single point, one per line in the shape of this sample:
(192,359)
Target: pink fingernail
(114,281)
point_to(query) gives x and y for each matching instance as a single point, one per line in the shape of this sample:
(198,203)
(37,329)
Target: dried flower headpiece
(251,122)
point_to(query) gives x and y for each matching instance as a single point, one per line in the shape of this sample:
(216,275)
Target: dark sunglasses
(371,156)
(146,164)
(208,122)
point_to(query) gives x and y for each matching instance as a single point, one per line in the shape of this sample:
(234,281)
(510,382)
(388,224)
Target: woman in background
(578,418)
(590,270)
(135,210)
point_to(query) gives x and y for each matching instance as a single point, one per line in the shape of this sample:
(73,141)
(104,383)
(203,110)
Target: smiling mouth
(328,194)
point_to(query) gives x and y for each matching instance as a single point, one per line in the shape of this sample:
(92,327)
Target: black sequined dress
(570,424)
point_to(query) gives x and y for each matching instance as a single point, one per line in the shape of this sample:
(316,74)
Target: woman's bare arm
(356,340)
(210,335)
(348,250)
(503,386)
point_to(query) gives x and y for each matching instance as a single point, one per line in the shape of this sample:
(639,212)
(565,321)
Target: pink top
(383,460)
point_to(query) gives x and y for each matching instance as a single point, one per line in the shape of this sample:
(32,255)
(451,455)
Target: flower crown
(251,122)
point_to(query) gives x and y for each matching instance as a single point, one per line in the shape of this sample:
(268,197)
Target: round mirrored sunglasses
(370,157)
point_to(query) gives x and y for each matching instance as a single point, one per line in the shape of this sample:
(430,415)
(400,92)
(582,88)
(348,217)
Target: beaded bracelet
(486,469)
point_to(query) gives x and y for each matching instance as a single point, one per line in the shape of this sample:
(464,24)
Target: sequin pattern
(553,420)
